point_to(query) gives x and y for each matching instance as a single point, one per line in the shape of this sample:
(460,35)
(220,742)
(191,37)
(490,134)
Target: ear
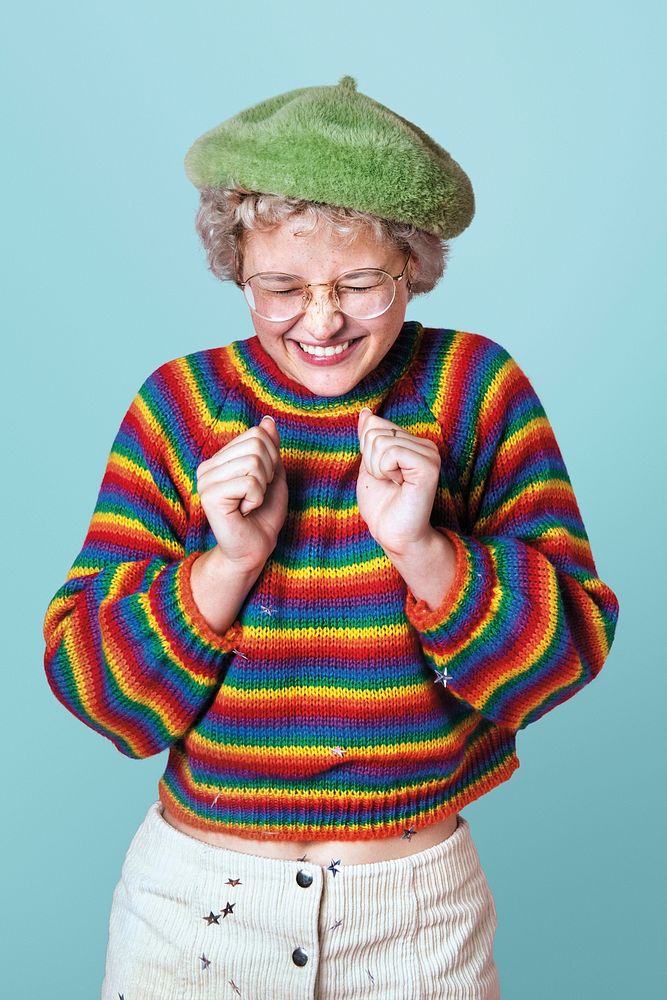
(413,272)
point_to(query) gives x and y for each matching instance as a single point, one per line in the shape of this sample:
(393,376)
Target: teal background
(556,113)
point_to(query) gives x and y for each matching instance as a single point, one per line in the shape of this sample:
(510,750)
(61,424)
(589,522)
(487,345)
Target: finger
(236,463)
(274,498)
(378,443)
(244,465)
(391,464)
(373,426)
(268,424)
(386,464)
(258,444)
(258,433)
(245,493)
(417,466)
(387,431)
(395,434)
(371,421)
(362,421)
(371,463)
(405,454)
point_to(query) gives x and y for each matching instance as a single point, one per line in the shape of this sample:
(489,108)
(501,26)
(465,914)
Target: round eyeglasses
(361,294)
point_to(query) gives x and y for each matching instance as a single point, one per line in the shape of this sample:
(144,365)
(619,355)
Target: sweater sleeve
(127,650)
(527,622)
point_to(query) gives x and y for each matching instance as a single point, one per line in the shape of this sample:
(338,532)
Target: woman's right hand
(243,490)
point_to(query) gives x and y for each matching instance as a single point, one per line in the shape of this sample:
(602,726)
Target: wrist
(427,566)
(219,588)
(431,543)
(219,567)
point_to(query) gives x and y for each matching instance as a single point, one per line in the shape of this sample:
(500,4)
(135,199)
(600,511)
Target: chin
(337,386)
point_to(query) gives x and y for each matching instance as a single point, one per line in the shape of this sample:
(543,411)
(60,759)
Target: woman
(334,568)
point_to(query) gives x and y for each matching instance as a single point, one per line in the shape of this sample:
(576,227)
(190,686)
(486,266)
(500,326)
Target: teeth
(324,352)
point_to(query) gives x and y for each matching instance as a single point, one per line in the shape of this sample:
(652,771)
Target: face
(317,257)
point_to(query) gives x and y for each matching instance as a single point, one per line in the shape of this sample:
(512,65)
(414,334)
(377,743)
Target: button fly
(299,956)
(304,879)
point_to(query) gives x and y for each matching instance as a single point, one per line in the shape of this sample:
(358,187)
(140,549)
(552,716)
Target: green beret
(337,146)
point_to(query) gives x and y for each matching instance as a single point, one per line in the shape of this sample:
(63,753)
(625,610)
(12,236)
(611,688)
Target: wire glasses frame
(306,294)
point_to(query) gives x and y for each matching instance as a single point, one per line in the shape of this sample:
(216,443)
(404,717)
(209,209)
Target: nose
(322,318)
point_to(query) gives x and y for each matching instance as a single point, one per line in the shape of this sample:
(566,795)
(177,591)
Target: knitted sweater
(337,706)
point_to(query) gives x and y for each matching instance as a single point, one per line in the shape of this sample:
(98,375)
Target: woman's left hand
(397,483)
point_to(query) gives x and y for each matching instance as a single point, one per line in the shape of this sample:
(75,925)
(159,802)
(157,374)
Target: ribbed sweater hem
(317,814)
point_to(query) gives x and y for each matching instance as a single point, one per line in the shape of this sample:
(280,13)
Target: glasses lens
(275,296)
(360,294)
(365,294)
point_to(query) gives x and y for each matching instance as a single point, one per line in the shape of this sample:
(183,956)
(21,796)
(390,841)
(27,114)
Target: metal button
(299,956)
(304,879)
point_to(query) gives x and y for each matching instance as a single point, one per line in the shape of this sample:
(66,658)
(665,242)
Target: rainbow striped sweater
(337,706)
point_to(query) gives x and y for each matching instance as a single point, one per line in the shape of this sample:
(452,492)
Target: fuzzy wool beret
(337,146)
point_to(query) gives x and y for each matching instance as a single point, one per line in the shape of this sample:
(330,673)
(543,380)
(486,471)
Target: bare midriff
(322,852)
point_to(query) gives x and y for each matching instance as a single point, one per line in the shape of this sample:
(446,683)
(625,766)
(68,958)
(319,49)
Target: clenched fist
(243,491)
(397,482)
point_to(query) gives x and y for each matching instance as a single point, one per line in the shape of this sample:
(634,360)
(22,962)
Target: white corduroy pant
(190,921)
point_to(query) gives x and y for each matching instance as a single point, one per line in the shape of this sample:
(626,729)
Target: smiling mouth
(325,355)
(324,352)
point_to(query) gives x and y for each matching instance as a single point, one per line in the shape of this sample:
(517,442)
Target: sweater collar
(272,386)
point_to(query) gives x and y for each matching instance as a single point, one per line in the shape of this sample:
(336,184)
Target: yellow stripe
(270,399)
(116,590)
(503,512)
(128,465)
(528,660)
(326,573)
(444,376)
(141,473)
(85,691)
(345,634)
(121,521)
(171,458)
(536,428)
(497,384)
(242,696)
(81,571)
(250,752)
(199,403)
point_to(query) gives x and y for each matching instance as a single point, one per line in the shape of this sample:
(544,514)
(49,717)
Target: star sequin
(267,610)
(121,996)
(205,962)
(371,976)
(228,909)
(212,918)
(337,924)
(234,987)
(303,858)
(442,677)
(338,751)
(409,834)
(216,799)
(234,881)
(332,867)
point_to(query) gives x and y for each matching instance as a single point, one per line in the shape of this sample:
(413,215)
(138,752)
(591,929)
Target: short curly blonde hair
(226,214)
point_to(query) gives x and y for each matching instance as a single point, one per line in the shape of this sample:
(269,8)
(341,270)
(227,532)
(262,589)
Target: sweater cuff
(176,610)
(419,613)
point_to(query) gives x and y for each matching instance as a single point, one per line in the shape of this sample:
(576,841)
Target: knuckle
(255,485)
